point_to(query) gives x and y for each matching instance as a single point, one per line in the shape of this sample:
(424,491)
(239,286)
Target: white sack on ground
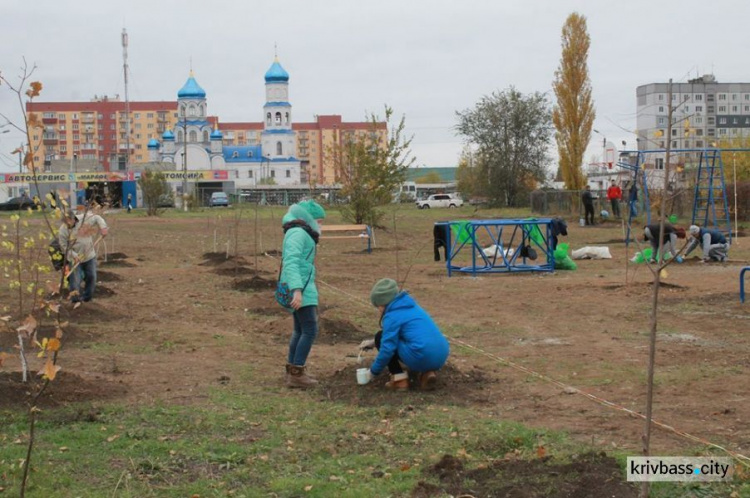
(591,252)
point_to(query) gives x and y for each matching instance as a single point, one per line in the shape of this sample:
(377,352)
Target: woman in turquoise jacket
(410,338)
(301,232)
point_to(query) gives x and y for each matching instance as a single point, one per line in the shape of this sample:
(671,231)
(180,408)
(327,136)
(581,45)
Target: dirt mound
(647,285)
(72,334)
(333,331)
(263,303)
(117,256)
(233,270)
(107,276)
(66,388)
(591,475)
(253,284)
(103,292)
(117,263)
(220,258)
(454,387)
(89,313)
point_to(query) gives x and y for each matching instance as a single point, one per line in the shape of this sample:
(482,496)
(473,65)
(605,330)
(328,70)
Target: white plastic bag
(592,252)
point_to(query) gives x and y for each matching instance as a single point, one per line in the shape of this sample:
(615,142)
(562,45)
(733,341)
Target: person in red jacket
(614,194)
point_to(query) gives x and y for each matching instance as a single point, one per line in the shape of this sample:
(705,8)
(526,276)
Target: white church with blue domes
(196,142)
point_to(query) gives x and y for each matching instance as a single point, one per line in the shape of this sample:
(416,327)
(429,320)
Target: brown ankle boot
(298,378)
(398,382)
(428,380)
(287,374)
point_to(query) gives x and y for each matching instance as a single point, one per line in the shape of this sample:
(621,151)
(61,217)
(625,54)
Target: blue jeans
(305,331)
(87,272)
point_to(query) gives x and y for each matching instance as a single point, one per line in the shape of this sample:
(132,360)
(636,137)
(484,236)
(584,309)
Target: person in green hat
(409,339)
(301,226)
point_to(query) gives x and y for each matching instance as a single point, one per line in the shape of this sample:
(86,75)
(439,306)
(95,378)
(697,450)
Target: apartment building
(314,142)
(704,112)
(97,130)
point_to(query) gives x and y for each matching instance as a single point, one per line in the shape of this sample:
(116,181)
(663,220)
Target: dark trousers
(85,272)
(394,366)
(615,207)
(303,337)
(589,211)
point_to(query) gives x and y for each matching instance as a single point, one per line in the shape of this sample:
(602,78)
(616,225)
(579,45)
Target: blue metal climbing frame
(465,253)
(711,189)
(639,178)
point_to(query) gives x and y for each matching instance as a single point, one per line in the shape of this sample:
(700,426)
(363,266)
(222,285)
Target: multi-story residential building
(704,112)
(314,142)
(97,130)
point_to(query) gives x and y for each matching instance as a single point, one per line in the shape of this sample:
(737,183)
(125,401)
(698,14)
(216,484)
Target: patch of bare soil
(102,292)
(454,387)
(117,263)
(662,284)
(90,312)
(333,331)
(117,255)
(253,284)
(71,335)
(592,475)
(233,270)
(66,388)
(107,276)
(221,260)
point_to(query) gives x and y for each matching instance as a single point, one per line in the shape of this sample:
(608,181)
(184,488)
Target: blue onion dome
(153,144)
(191,89)
(168,135)
(216,134)
(276,73)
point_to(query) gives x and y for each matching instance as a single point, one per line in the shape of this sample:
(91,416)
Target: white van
(406,192)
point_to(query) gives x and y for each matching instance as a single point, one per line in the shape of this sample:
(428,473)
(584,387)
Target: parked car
(17,204)
(218,199)
(440,200)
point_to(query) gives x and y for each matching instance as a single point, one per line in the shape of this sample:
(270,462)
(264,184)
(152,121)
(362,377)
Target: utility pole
(127,100)
(20,159)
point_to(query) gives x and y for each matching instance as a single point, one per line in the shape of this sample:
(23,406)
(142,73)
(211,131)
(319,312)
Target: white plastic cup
(362,374)
(582,222)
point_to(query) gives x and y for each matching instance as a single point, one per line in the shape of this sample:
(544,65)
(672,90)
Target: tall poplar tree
(573,115)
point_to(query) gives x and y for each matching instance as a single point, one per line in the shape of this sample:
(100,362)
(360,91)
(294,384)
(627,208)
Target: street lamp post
(73,197)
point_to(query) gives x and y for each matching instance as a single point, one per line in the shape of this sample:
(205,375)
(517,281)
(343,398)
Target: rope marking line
(737,456)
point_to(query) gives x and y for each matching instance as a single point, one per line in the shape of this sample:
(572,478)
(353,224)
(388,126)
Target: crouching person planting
(409,340)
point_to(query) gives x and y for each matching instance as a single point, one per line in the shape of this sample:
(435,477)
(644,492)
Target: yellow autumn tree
(573,115)
(739,160)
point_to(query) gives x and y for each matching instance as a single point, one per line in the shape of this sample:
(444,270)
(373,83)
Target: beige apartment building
(314,142)
(95,132)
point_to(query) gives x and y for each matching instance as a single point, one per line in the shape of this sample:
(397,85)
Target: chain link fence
(678,202)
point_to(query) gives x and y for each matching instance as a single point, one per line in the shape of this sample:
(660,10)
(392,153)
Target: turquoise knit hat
(313,208)
(383,292)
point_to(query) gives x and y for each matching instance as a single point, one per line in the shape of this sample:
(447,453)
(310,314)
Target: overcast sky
(425,58)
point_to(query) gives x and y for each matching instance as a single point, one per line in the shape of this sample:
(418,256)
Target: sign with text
(111,176)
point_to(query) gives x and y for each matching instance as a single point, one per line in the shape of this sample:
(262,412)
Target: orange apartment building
(314,142)
(97,130)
